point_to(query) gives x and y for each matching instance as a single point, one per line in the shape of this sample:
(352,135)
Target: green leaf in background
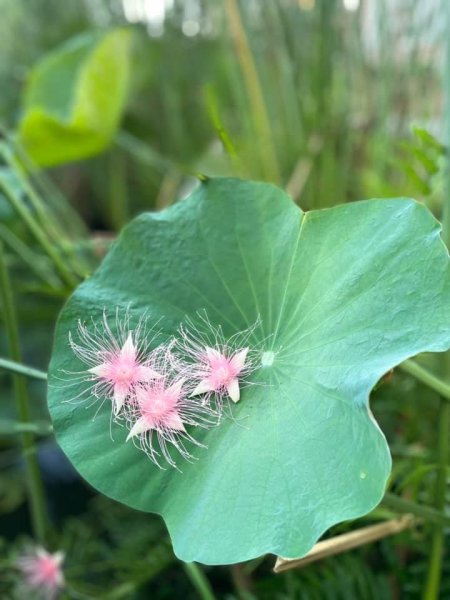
(343,295)
(75,98)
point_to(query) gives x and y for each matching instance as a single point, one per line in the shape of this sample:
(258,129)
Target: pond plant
(216,358)
(276,431)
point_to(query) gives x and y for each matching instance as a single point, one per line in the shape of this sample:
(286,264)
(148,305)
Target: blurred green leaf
(430,164)
(428,140)
(75,98)
(365,286)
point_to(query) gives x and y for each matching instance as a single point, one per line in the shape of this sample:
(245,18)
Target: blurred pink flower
(42,572)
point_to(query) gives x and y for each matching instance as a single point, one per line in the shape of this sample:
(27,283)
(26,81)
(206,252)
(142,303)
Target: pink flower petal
(233,390)
(174,421)
(129,350)
(203,387)
(146,374)
(102,370)
(175,388)
(120,393)
(141,426)
(238,361)
(212,353)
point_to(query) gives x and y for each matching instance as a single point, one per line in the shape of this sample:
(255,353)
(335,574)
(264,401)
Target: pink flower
(159,407)
(117,362)
(42,572)
(160,412)
(219,373)
(215,365)
(122,370)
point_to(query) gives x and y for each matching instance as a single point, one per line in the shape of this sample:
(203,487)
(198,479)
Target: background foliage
(331,104)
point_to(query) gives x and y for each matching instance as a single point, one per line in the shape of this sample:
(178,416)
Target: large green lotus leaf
(75,97)
(343,295)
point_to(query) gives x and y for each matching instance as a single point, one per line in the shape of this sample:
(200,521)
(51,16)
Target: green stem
(40,236)
(434,575)
(30,258)
(212,106)
(424,376)
(199,581)
(15,367)
(8,427)
(159,558)
(254,92)
(400,505)
(45,218)
(35,487)
(144,153)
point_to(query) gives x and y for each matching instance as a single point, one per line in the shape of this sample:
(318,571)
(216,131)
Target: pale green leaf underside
(75,97)
(343,295)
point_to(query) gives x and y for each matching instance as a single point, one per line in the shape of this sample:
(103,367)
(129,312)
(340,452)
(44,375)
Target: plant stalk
(8,427)
(345,542)
(29,257)
(14,367)
(424,376)
(435,564)
(432,589)
(33,475)
(39,234)
(254,91)
(199,581)
(421,511)
(45,219)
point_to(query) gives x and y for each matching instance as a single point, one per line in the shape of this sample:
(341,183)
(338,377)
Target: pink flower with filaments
(42,572)
(117,362)
(160,412)
(216,365)
(220,373)
(122,370)
(159,408)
